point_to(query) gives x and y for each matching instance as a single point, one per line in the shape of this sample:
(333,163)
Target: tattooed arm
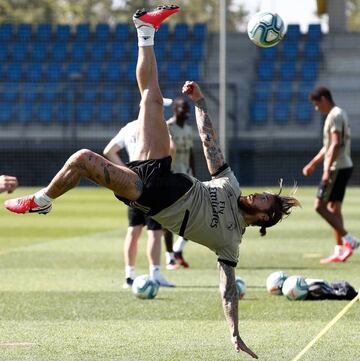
(212,151)
(230,302)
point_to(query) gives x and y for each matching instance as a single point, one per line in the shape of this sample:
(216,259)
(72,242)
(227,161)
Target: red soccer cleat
(334,258)
(154,17)
(180,260)
(347,251)
(26,204)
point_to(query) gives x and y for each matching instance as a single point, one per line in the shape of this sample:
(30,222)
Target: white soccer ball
(240,287)
(295,288)
(145,287)
(275,281)
(266,29)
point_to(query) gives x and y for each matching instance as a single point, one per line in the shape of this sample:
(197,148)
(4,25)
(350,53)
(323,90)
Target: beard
(246,208)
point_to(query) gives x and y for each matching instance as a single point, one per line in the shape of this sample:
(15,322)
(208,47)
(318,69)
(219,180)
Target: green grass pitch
(61,295)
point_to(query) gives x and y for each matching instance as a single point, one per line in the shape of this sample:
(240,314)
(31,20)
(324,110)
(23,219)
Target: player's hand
(192,90)
(240,346)
(8,183)
(308,170)
(325,177)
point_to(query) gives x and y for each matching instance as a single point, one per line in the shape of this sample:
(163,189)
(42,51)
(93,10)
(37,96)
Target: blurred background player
(182,162)
(337,170)
(126,138)
(8,183)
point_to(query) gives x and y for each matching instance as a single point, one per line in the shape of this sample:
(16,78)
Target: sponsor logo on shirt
(217,207)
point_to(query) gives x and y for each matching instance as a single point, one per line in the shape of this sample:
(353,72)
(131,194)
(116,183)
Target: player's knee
(319,207)
(151,97)
(80,157)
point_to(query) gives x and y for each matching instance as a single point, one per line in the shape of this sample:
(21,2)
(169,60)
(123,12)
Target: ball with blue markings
(275,281)
(240,287)
(145,287)
(295,288)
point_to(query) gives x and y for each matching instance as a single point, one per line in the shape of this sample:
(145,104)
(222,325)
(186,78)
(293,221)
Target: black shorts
(138,218)
(162,187)
(334,191)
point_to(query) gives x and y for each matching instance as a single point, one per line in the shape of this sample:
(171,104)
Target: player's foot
(172,265)
(154,18)
(162,281)
(334,258)
(347,251)
(26,204)
(180,260)
(128,283)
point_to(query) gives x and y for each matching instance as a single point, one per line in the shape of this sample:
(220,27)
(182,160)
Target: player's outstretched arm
(230,302)
(213,154)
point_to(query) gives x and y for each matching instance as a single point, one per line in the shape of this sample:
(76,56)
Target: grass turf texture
(61,295)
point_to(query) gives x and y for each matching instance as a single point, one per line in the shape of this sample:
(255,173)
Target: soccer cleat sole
(141,12)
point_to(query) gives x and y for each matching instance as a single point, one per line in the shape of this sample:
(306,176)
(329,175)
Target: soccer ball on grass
(295,288)
(240,287)
(145,287)
(266,29)
(275,281)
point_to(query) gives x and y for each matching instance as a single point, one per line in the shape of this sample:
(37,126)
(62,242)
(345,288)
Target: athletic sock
(169,256)
(179,244)
(349,238)
(145,35)
(154,270)
(42,199)
(130,272)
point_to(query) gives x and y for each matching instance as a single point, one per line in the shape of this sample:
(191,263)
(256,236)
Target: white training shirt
(126,138)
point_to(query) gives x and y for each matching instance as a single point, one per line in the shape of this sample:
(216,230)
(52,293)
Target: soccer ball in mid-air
(144,287)
(275,281)
(295,288)
(240,287)
(266,29)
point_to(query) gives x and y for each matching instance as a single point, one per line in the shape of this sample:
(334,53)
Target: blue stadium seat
(268,54)
(46,113)
(263,90)
(309,71)
(132,52)
(89,94)
(78,51)
(6,32)
(24,112)
(259,113)
(6,113)
(123,112)
(53,72)
(288,70)
(314,32)
(33,72)
(39,52)
(304,112)
(117,51)
(84,113)
(4,52)
(130,69)
(44,32)
(14,72)
(98,51)
(24,32)
(82,32)
(199,32)
(50,92)
(292,33)
(304,90)
(105,113)
(290,51)
(63,32)
(312,50)
(9,92)
(65,113)
(265,70)
(162,34)
(109,95)
(160,52)
(174,71)
(74,70)
(177,51)
(102,32)
(29,92)
(93,72)
(58,52)
(113,72)
(128,95)
(281,112)
(284,91)
(192,71)
(121,32)
(19,51)
(195,51)
(181,31)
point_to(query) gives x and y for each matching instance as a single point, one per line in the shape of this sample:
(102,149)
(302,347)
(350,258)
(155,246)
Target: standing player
(213,213)
(181,134)
(126,138)
(337,169)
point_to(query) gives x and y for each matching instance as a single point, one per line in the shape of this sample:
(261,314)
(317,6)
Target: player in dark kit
(212,213)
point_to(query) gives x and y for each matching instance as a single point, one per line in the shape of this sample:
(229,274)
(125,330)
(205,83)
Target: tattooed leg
(87,164)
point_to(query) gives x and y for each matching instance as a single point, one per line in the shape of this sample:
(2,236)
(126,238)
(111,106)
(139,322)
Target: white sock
(130,272)
(179,245)
(145,35)
(169,256)
(42,199)
(154,270)
(349,238)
